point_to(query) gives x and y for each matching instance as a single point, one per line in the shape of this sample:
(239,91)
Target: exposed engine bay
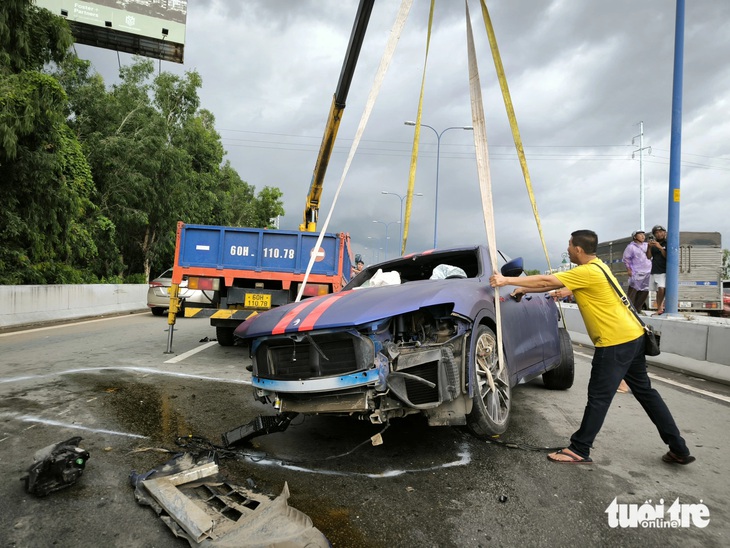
(411,363)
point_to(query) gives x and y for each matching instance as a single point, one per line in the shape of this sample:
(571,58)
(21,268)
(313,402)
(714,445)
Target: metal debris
(199,505)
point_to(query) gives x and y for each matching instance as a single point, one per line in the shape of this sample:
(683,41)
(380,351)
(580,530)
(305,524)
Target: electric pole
(641,171)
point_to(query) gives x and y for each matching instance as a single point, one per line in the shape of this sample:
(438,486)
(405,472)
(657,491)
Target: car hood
(361,306)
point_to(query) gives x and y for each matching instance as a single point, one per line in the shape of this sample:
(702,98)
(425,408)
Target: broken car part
(201,506)
(55,467)
(261,425)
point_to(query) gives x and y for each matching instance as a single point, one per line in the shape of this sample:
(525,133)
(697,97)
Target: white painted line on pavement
(69,323)
(679,384)
(189,353)
(691,388)
(38,420)
(463,460)
(148,370)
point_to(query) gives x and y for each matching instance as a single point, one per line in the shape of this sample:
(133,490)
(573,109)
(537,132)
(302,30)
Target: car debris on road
(199,505)
(56,467)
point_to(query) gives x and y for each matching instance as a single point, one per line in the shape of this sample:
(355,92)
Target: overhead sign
(152,28)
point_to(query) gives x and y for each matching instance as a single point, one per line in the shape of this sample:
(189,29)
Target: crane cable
(499,67)
(416,138)
(395,34)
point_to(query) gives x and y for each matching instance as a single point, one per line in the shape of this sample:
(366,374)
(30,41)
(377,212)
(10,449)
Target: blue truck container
(259,250)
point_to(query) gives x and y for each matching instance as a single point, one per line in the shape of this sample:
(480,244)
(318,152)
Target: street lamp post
(438,156)
(386,234)
(376,250)
(401,210)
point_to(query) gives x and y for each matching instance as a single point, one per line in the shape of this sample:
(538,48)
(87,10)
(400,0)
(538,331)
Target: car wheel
(561,378)
(492,392)
(157,311)
(224,335)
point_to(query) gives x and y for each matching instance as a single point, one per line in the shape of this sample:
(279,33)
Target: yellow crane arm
(311,209)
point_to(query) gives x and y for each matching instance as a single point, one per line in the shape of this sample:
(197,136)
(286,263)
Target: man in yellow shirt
(619,349)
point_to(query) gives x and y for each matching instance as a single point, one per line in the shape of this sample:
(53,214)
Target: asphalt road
(110,382)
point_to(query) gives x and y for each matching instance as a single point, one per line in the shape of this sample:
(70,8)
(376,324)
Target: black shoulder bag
(651,341)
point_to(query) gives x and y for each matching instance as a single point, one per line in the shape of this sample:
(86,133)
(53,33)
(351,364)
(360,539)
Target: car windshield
(462,263)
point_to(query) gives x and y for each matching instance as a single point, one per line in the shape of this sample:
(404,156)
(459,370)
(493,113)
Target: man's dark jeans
(611,364)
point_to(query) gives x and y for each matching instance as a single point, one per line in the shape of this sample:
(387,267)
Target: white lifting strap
(485,179)
(395,33)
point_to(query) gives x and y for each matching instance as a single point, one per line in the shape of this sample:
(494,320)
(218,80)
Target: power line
(451,150)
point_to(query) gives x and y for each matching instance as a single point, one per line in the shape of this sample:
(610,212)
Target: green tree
(95,179)
(725,264)
(157,159)
(48,220)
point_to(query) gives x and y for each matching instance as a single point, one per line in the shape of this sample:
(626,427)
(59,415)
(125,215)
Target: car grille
(286,359)
(418,392)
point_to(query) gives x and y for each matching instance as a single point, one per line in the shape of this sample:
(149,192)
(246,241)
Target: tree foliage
(96,178)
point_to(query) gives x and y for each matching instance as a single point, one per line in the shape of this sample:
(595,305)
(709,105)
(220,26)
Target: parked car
(411,335)
(158,296)
(726,298)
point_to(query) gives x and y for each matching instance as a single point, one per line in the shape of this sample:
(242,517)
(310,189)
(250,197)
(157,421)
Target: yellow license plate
(257,300)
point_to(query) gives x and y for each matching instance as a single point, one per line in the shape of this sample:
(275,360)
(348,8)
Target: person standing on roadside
(657,252)
(618,339)
(638,266)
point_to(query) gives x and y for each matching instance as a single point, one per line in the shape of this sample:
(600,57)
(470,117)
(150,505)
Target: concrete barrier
(694,345)
(29,304)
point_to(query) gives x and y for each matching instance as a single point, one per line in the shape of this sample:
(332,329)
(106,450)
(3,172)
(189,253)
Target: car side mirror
(513,268)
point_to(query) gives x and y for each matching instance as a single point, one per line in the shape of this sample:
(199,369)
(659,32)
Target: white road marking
(38,420)
(192,352)
(464,460)
(679,384)
(148,370)
(690,388)
(70,323)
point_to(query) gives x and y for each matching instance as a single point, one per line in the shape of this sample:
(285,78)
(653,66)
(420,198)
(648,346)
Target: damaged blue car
(416,334)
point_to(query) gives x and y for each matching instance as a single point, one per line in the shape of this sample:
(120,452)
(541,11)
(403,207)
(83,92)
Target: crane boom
(311,209)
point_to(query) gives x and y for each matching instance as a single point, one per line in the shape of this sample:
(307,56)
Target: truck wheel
(224,335)
(157,311)
(561,378)
(492,392)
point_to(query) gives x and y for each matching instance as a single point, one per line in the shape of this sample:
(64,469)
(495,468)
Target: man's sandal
(673,458)
(566,456)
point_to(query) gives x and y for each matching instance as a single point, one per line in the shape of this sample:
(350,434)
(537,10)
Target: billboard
(153,28)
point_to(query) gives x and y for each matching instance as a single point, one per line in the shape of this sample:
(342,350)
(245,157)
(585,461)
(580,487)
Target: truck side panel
(257,250)
(700,265)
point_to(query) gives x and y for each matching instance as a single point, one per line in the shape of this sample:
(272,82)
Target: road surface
(110,382)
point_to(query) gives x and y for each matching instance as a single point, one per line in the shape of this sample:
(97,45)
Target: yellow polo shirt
(608,321)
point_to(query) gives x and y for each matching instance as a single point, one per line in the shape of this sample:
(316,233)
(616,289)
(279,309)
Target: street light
(438,156)
(386,234)
(401,210)
(376,250)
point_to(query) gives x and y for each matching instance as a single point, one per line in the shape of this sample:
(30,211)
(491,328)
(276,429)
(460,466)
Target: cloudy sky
(583,74)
